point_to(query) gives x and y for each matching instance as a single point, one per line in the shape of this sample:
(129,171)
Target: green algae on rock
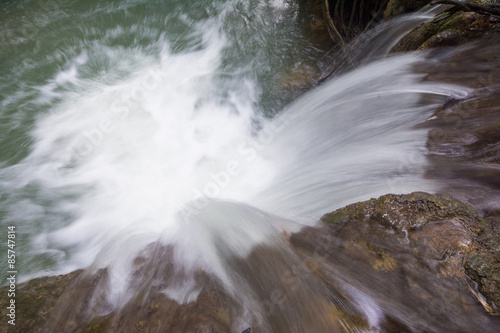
(464,142)
(35,300)
(435,227)
(449,28)
(482,263)
(407,252)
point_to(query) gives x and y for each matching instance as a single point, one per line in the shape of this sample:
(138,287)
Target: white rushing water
(174,152)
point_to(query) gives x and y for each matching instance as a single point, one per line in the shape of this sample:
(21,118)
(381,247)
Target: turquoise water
(263,40)
(61,51)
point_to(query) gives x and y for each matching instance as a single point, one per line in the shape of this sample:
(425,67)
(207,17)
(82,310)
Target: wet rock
(434,227)
(464,141)
(79,302)
(419,255)
(305,74)
(316,24)
(404,212)
(85,306)
(284,296)
(211,312)
(450,28)
(424,259)
(400,7)
(482,263)
(301,77)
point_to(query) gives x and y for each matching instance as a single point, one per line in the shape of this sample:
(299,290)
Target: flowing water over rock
(149,143)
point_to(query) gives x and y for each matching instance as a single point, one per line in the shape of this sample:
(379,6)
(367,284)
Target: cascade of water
(168,148)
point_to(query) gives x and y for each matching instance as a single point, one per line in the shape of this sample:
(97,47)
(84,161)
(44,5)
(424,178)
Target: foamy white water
(167,147)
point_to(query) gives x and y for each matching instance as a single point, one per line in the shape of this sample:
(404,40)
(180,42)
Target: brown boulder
(421,256)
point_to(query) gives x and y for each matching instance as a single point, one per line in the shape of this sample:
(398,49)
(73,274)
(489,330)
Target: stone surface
(464,142)
(441,231)
(416,254)
(482,262)
(400,7)
(78,302)
(449,28)
(35,300)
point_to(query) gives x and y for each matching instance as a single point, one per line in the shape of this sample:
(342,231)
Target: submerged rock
(300,77)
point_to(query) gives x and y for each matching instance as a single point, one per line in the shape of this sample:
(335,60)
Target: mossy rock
(346,19)
(447,232)
(407,252)
(407,211)
(448,29)
(400,7)
(35,300)
(482,263)
(77,302)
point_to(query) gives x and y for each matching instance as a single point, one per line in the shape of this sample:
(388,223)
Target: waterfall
(146,129)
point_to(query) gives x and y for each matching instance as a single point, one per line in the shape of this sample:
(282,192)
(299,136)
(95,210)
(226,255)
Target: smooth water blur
(135,93)
(127,123)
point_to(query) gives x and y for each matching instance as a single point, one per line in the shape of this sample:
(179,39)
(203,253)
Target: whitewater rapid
(173,146)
